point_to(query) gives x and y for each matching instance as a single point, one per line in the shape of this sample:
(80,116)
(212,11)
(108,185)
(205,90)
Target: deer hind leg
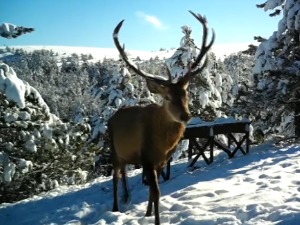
(126,192)
(154,193)
(116,171)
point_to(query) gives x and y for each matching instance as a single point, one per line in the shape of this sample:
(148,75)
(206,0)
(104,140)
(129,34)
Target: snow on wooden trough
(198,129)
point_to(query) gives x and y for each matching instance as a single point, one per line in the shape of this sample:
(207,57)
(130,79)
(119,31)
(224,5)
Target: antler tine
(204,48)
(130,64)
(169,74)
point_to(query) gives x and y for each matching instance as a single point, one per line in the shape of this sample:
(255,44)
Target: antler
(204,48)
(132,66)
(192,68)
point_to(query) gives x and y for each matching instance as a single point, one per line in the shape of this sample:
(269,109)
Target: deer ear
(155,87)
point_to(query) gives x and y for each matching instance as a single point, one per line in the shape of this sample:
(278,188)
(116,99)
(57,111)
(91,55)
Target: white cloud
(151,19)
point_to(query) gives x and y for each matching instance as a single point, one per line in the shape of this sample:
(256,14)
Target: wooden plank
(209,131)
(223,147)
(201,150)
(196,132)
(203,130)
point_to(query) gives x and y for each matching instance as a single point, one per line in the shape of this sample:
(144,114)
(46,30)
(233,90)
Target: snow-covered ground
(262,187)
(99,53)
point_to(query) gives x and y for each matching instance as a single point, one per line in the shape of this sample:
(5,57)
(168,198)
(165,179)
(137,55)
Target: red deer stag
(148,135)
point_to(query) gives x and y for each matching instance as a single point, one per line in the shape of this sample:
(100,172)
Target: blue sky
(149,25)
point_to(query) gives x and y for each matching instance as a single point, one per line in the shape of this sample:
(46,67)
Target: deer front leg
(154,193)
(150,204)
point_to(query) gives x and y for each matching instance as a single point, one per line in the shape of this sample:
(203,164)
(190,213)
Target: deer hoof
(115,209)
(148,213)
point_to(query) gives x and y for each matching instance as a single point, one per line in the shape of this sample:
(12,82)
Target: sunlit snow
(259,188)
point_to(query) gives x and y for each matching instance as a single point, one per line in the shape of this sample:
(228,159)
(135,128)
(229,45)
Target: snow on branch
(8,30)
(271,5)
(17,90)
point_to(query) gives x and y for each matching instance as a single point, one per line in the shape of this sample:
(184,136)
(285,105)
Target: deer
(148,135)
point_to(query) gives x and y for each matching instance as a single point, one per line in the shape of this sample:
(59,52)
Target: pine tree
(281,52)
(276,69)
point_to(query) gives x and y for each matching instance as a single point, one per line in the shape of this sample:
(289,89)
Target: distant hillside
(220,51)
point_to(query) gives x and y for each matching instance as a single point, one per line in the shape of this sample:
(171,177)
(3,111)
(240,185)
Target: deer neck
(166,132)
(168,117)
(166,120)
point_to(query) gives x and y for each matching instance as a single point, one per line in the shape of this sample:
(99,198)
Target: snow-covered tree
(37,150)
(8,30)
(281,52)
(277,69)
(239,66)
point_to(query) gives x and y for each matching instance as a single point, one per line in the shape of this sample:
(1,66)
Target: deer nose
(185,117)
